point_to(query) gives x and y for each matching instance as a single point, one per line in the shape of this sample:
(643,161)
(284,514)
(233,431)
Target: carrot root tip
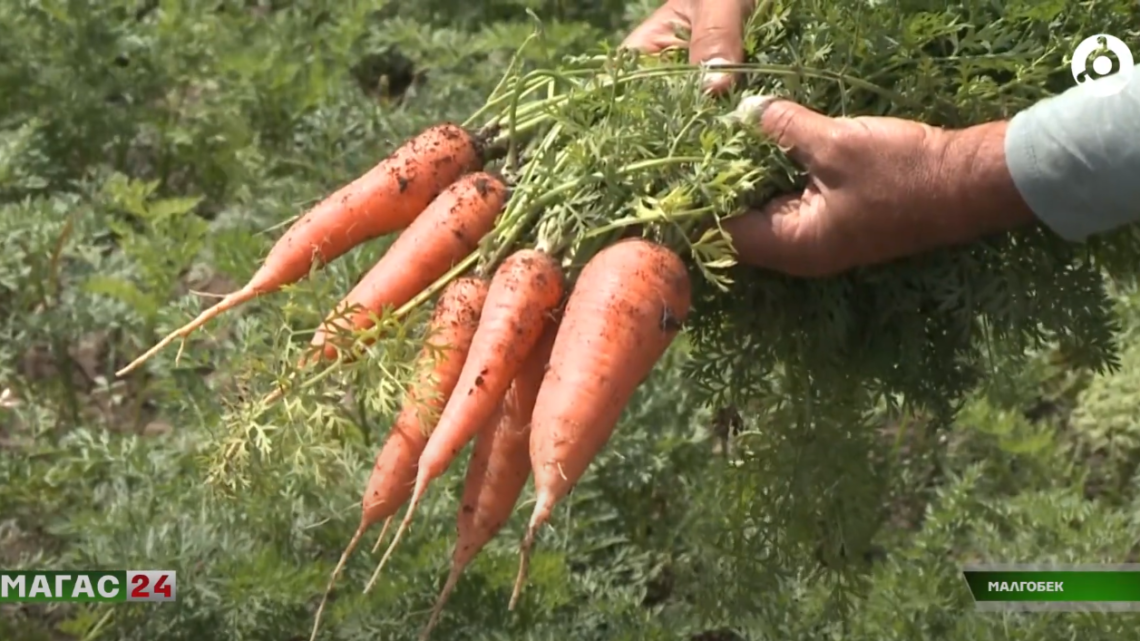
(441,600)
(230,301)
(395,540)
(524,561)
(544,505)
(273,396)
(383,532)
(335,574)
(181,348)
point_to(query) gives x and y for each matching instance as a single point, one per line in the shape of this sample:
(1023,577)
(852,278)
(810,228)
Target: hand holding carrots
(879,189)
(558,284)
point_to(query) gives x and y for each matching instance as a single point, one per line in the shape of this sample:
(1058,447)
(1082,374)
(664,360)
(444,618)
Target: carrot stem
(512,67)
(553,195)
(610,82)
(631,221)
(278,393)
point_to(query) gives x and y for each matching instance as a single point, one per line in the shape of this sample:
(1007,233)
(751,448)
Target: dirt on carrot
(522,300)
(449,334)
(627,306)
(447,231)
(497,471)
(386,199)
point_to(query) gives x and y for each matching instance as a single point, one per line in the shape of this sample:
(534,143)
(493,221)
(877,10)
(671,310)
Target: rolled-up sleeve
(1075,158)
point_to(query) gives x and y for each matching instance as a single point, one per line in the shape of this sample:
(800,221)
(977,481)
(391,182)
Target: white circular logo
(1095,72)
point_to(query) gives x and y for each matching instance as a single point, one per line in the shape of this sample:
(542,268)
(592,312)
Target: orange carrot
(451,329)
(386,199)
(497,471)
(524,293)
(446,232)
(626,308)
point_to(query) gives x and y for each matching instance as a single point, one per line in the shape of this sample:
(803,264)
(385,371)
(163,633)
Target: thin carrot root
(455,321)
(273,396)
(399,535)
(523,295)
(178,354)
(230,301)
(497,470)
(524,565)
(336,574)
(437,609)
(522,300)
(539,518)
(383,533)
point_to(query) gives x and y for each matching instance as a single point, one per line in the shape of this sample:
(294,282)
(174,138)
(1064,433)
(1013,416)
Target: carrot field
(804,459)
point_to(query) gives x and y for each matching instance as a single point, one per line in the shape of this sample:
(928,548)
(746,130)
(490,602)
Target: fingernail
(751,108)
(713,79)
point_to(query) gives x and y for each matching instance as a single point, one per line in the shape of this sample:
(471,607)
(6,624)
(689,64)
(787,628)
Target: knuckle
(838,144)
(851,133)
(781,123)
(711,39)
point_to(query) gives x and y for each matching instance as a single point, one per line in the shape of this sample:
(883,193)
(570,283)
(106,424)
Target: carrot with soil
(497,471)
(386,199)
(523,296)
(627,306)
(446,232)
(451,329)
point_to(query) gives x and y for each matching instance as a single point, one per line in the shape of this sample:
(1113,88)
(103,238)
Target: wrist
(973,167)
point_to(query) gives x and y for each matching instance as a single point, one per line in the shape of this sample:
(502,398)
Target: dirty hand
(716,28)
(878,189)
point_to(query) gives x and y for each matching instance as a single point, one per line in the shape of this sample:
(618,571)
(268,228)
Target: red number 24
(160,586)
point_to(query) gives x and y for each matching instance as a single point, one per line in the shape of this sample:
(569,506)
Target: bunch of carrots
(535,372)
(542,326)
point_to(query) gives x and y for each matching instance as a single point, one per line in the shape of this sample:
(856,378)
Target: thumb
(718,37)
(797,131)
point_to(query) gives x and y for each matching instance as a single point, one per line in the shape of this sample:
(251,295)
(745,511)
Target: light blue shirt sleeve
(1075,158)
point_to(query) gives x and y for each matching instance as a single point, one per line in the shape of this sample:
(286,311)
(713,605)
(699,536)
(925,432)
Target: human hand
(879,189)
(716,28)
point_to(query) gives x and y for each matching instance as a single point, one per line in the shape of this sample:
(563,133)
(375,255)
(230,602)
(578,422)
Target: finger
(718,37)
(659,31)
(797,131)
(775,237)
